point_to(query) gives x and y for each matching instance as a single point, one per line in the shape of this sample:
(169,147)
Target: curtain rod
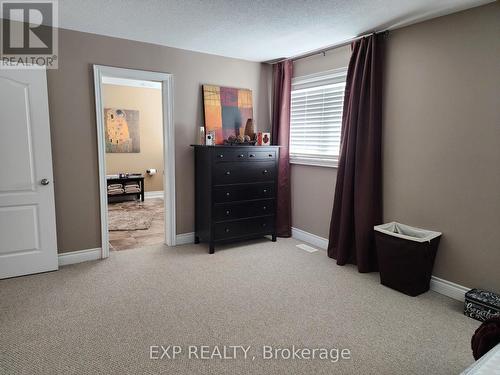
(384,30)
(327,48)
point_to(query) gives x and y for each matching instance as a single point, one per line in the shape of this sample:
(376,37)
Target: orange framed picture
(227,111)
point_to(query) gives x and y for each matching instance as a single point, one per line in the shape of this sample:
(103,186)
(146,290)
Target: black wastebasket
(406,256)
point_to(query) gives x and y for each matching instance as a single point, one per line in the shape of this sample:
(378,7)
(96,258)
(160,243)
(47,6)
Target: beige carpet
(101,317)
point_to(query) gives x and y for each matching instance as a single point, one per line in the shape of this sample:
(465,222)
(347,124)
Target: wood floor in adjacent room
(101,317)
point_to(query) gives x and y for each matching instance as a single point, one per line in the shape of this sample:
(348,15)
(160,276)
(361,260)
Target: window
(316,118)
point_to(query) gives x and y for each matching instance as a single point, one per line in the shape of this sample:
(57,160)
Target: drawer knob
(264,208)
(228,173)
(270,155)
(264,191)
(227,230)
(228,212)
(221,156)
(228,194)
(241,155)
(251,155)
(265,171)
(264,225)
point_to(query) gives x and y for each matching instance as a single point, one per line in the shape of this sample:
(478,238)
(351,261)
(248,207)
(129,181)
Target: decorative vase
(250,129)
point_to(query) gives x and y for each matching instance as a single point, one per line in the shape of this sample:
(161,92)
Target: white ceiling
(257,30)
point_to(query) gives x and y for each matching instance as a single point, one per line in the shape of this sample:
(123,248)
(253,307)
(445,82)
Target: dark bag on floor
(486,337)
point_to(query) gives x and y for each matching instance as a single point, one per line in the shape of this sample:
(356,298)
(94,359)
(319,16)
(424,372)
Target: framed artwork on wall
(122,130)
(227,111)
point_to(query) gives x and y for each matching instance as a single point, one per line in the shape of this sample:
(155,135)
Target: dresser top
(232,146)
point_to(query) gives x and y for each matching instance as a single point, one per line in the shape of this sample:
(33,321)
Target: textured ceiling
(257,30)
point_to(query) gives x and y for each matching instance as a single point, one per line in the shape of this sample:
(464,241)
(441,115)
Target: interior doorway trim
(166,80)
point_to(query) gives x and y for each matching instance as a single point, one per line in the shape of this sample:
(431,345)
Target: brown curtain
(282,87)
(358,193)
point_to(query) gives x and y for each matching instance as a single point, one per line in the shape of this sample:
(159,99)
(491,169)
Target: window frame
(308,81)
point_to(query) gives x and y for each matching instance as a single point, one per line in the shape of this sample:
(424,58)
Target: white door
(27,214)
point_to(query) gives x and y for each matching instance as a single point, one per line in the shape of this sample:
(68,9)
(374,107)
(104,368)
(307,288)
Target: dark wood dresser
(235,196)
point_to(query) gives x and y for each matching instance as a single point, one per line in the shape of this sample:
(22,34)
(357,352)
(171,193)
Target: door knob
(44,181)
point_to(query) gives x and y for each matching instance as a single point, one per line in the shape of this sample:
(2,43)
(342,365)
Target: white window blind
(316,117)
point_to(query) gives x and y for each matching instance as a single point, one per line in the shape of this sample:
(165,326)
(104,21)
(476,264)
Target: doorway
(136,157)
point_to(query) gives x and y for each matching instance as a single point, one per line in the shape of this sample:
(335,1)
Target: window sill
(316,162)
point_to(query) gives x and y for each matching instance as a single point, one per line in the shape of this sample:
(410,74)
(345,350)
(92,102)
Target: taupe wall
(442,139)
(148,102)
(441,143)
(313,187)
(72,111)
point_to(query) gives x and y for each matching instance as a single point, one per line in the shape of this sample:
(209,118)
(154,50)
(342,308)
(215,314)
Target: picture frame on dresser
(235,193)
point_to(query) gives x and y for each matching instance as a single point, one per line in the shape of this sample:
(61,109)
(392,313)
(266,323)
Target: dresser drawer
(230,155)
(241,210)
(244,154)
(262,155)
(246,227)
(232,193)
(235,173)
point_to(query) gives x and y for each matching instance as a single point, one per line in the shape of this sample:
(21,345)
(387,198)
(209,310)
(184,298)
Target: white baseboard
(153,194)
(438,285)
(448,288)
(79,256)
(184,238)
(310,238)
